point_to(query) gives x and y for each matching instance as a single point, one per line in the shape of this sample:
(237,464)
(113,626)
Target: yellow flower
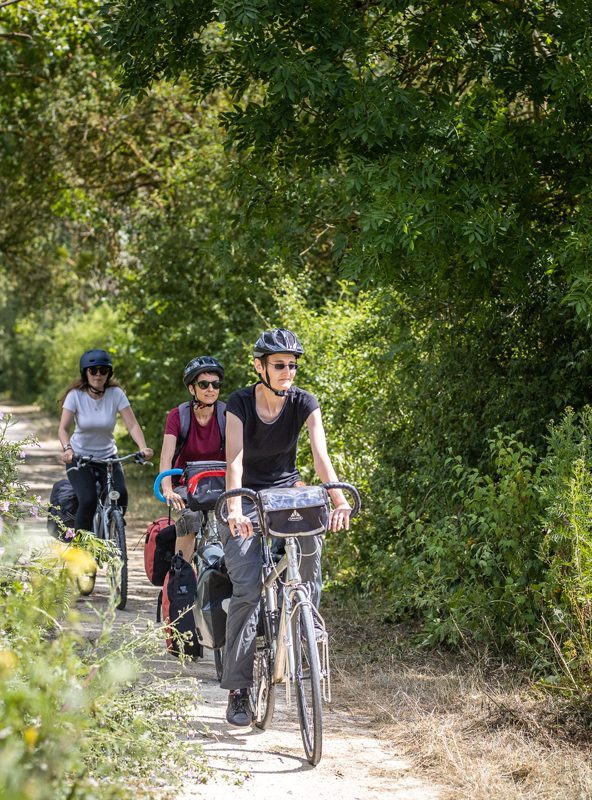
(30,735)
(78,562)
(8,662)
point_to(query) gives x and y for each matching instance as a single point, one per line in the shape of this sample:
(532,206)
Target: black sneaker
(238,711)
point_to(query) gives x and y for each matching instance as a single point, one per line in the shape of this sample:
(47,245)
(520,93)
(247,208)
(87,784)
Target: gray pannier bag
(295,511)
(214,590)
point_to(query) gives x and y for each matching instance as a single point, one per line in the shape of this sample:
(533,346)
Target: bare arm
(135,431)
(239,524)
(325,471)
(64,428)
(169,443)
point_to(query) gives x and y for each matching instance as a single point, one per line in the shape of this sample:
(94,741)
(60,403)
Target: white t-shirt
(95,421)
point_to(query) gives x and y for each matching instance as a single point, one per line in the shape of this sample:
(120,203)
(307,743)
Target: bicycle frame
(108,521)
(104,509)
(282,645)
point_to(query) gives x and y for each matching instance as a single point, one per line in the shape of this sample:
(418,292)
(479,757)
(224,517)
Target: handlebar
(351,490)
(243,492)
(83,461)
(158,480)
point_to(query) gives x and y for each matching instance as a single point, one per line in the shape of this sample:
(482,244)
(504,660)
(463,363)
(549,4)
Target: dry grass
(474,727)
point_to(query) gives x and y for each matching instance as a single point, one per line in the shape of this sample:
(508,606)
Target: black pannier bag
(214,590)
(295,511)
(205,481)
(63,505)
(175,604)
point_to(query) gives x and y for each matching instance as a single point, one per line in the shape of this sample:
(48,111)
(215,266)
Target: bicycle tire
(219,661)
(307,678)
(86,583)
(118,577)
(263,689)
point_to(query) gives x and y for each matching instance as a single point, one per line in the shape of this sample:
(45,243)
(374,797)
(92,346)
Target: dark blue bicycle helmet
(201,364)
(95,358)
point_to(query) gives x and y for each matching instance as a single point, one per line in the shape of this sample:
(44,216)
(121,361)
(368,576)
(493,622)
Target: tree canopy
(405,185)
(457,132)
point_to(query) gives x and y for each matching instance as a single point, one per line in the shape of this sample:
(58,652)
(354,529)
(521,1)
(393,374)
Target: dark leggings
(84,481)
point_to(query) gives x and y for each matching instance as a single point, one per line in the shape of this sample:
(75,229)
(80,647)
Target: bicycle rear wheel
(86,583)
(307,677)
(118,572)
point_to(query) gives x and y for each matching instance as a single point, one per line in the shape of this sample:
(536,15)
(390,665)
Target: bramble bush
(501,555)
(77,721)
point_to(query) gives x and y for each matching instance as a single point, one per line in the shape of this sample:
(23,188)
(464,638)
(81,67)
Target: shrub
(77,722)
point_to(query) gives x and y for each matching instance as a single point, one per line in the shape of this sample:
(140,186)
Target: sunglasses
(99,370)
(279,365)
(205,384)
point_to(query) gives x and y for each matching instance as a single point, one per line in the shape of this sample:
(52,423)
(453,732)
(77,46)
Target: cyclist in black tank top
(263,424)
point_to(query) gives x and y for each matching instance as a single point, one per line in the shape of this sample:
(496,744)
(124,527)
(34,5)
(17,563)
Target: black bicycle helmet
(201,364)
(278,340)
(95,358)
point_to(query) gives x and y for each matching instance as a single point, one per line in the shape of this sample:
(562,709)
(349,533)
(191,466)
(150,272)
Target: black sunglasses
(205,384)
(99,370)
(279,365)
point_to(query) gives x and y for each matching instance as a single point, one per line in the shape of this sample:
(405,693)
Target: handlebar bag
(295,511)
(205,481)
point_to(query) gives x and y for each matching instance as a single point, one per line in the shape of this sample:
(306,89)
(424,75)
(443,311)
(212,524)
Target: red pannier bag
(159,549)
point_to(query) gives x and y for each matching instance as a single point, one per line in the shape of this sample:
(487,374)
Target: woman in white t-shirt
(92,402)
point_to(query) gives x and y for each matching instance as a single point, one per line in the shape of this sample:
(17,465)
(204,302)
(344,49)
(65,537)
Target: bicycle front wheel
(307,678)
(263,690)
(118,571)
(219,661)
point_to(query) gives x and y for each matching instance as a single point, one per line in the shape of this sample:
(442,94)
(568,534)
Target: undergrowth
(80,718)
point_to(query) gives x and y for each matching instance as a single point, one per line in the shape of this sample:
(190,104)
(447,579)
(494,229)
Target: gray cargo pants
(243,562)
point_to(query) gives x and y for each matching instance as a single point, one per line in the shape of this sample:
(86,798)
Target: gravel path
(356,764)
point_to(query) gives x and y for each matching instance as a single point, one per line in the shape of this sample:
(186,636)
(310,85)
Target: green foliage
(77,722)
(567,549)
(500,554)
(45,357)
(405,186)
(473,569)
(456,129)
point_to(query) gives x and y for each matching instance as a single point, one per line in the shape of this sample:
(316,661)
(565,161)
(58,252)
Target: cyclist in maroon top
(203,378)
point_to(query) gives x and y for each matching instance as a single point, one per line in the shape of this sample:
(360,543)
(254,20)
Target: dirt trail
(356,764)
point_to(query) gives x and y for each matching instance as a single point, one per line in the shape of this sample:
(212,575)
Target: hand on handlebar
(147,452)
(68,456)
(339,518)
(240,526)
(173,499)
